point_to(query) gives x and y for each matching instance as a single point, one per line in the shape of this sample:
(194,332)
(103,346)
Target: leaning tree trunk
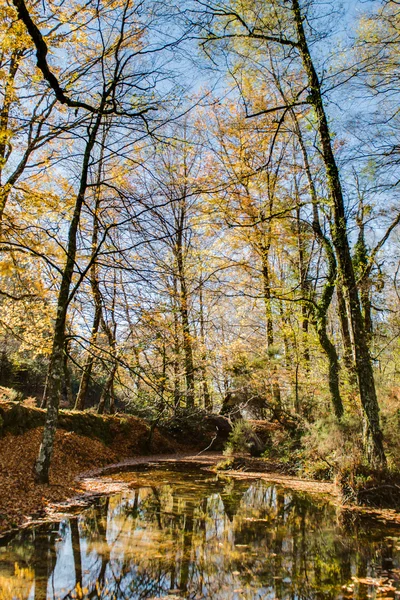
(56,365)
(319,310)
(373,438)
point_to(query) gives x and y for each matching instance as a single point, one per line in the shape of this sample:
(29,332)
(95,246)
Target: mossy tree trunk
(373,438)
(319,307)
(346,335)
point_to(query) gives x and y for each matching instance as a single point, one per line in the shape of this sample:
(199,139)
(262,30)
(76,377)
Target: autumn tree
(114,78)
(285,31)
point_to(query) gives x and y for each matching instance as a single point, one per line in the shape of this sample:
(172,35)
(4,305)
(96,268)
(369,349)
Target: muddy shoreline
(97,482)
(92,483)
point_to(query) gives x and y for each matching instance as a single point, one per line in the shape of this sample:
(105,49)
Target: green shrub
(331,447)
(240,437)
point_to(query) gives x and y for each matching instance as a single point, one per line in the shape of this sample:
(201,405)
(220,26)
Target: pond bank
(116,477)
(76,477)
(83,465)
(175,529)
(78,448)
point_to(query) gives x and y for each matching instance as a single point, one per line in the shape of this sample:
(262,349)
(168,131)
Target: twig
(210,444)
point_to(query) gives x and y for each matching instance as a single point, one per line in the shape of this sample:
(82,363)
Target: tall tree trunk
(267,295)
(95,287)
(135,348)
(373,438)
(333,361)
(285,339)
(80,401)
(276,391)
(56,365)
(138,378)
(67,379)
(111,333)
(107,394)
(184,311)
(177,349)
(4,124)
(319,309)
(346,336)
(304,287)
(208,405)
(361,260)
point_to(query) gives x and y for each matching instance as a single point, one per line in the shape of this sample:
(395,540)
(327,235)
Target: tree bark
(55,371)
(4,124)
(184,311)
(67,379)
(304,287)
(111,332)
(373,438)
(108,393)
(88,366)
(208,405)
(177,349)
(361,260)
(94,283)
(276,391)
(333,377)
(319,309)
(346,337)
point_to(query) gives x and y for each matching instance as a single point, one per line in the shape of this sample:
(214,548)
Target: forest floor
(83,464)
(74,453)
(89,448)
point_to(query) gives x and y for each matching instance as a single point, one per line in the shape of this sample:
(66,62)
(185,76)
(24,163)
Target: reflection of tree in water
(205,538)
(298,559)
(44,560)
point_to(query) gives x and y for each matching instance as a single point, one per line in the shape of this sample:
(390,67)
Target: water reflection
(186,534)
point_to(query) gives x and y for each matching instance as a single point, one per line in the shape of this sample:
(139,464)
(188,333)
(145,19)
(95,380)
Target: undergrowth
(324,450)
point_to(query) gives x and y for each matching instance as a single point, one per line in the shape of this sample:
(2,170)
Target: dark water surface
(190,534)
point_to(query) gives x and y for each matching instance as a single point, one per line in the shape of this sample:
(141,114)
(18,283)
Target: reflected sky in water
(190,534)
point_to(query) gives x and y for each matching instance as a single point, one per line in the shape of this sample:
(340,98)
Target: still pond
(186,533)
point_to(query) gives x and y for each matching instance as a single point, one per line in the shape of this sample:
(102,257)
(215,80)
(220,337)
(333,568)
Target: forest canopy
(199,213)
